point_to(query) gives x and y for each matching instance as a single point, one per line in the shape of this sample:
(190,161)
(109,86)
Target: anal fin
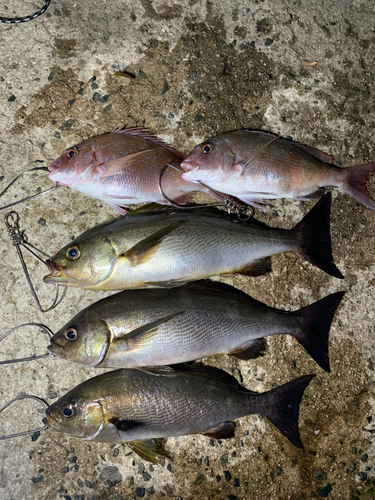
(316,195)
(221,431)
(257,268)
(250,351)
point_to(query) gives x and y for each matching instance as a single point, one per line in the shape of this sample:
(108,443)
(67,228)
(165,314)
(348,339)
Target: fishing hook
(30,197)
(17,20)
(32,358)
(19,239)
(243,213)
(39,400)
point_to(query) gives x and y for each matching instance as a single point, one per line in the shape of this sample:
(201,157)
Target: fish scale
(122,168)
(163,327)
(168,248)
(135,406)
(257,166)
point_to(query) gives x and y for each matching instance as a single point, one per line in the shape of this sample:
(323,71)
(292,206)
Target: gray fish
(135,406)
(163,327)
(168,248)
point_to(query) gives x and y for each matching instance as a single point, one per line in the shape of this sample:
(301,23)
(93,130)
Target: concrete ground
(295,68)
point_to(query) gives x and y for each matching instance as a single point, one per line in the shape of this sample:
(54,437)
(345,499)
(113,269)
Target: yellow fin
(145,448)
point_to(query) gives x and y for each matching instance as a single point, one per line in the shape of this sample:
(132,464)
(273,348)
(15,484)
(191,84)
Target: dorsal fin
(143,133)
(216,286)
(316,153)
(208,371)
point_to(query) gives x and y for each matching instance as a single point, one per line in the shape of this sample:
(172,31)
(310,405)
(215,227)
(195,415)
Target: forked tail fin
(315,321)
(315,237)
(281,407)
(355,183)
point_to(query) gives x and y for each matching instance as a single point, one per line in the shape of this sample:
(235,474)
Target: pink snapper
(255,166)
(123,168)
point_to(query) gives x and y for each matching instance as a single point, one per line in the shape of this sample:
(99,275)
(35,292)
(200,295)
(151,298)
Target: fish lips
(56,349)
(55,272)
(189,165)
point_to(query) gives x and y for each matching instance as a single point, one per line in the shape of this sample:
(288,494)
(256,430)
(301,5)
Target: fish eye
(68,411)
(207,148)
(73,253)
(70,333)
(71,153)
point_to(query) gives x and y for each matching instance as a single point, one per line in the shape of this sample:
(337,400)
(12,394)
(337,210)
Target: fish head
(84,340)
(210,161)
(77,414)
(84,263)
(74,164)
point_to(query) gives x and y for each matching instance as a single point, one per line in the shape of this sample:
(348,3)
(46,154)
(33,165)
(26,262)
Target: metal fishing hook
(19,239)
(30,197)
(31,358)
(243,213)
(39,400)
(17,20)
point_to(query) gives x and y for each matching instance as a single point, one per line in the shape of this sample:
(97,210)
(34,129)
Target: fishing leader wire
(19,239)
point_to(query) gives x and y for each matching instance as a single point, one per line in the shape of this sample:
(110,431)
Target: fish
(138,328)
(166,247)
(122,168)
(137,406)
(256,166)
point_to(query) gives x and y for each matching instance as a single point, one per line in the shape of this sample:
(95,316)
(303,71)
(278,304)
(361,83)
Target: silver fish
(168,248)
(163,327)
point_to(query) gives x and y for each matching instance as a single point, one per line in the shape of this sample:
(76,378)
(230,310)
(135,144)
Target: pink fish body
(255,166)
(122,168)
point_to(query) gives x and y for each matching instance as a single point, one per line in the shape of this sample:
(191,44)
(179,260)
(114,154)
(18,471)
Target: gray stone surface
(296,68)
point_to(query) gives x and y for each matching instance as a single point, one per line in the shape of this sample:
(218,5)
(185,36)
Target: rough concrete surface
(300,69)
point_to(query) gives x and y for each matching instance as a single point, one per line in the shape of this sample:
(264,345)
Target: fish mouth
(68,179)
(53,268)
(189,165)
(56,349)
(55,272)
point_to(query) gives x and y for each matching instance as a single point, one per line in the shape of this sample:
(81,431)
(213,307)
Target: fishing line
(30,197)
(18,20)
(35,398)
(31,358)
(243,213)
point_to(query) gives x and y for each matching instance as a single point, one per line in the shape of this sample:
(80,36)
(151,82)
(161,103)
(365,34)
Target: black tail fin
(283,407)
(355,180)
(315,323)
(315,237)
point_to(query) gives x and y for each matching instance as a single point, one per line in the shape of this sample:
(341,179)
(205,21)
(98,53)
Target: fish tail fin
(355,180)
(315,237)
(281,407)
(315,321)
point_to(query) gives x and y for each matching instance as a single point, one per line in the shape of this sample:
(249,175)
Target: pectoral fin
(145,448)
(221,431)
(145,249)
(143,334)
